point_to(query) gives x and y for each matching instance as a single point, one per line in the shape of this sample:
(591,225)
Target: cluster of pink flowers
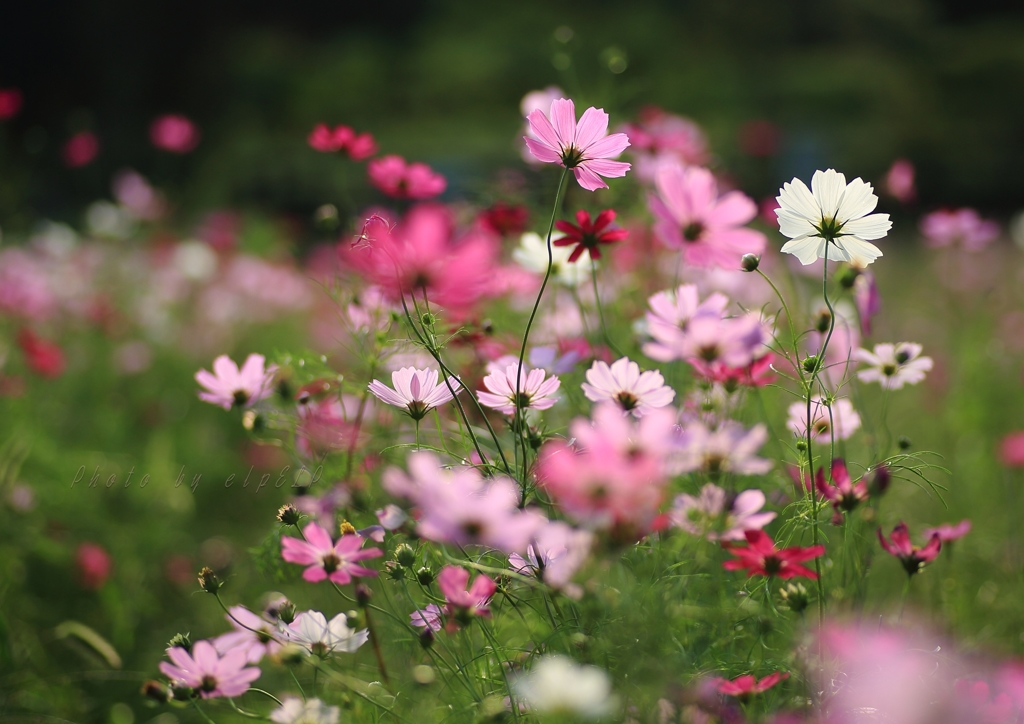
(963,227)
(358,146)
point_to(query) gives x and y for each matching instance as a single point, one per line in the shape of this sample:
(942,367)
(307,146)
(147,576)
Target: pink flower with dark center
(230,387)
(415,390)
(584,147)
(948,533)
(327,560)
(669,317)
(10,103)
(588,236)
(912,557)
(535,392)
(761,557)
(707,228)
(948,227)
(728,448)
(253,635)
(80,149)
(623,383)
(209,674)
(899,181)
(715,341)
(844,495)
(711,516)
(94,565)
(464,604)
(746,686)
(402,180)
(174,133)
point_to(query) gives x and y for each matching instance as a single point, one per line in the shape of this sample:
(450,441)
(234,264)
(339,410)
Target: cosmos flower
(465,603)
(948,227)
(312,711)
(948,533)
(327,560)
(669,317)
(556,683)
(427,618)
(588,236)
(230,387)
(342,138)
(712,517)
(727,448)
(843,493)
(535,392)
(744,687)
(415,390)
(402,180)
(253,635)
(622,383)
(584,147)
(913,558)
(208,673)
(838,418)
(554,555)
(312,631)
(174,133)
(893,365)
(899,181)
(832,217)
(761,557)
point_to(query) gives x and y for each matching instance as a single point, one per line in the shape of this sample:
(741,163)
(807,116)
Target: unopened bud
(253,421)
(156,691)
(289,514)
(425,576)
(353,619)
(286,612)
(904,442)
(427,638)
(291,654)
(208,580)
(880,480)
(810,364)
(363,594)
(535,437)
(750,262)
(823,321)
(801,445)
(794,595)
(347,528)
(405,555)
(180,692)
(428,319)
(847,275)
(394,570)
(180,641)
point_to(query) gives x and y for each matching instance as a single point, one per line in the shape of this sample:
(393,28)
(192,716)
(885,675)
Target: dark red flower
(912,557)
(42,357)
(589,236)
(842,493)
(10,103)
(761,557)
(93,565)
(81,149)
(504,219)
(747,685)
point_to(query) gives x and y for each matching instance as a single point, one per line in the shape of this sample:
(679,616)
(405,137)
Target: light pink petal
(592,127)
(608,147)
(298,551)
(542,127)
(314,574)
(563,118)
(588,179)
(608,169)
(319,538)
(733,209)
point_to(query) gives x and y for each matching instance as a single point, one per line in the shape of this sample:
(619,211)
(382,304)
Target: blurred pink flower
(727,448)
(174,133)
(80,149)
(948,227)
(402,180)
(42,357)
(358,146)
(670,315)
(253,635)
(744,687)
(10,103)
(867,300)
(209,674)
(844,495)
(534,391)
(417,391)
(692,218)
(326,559)
(135,194)
(465,603)
(622,383)
(948,532)
(712,516)
(1011,450)
(899,181)
(25,289)
(659,137)
(427,618)
(230,387)
(93,564)
(556,552)
(584,147)
(912,557)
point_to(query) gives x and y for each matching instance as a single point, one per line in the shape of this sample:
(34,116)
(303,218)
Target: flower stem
(600,312)
(376,648)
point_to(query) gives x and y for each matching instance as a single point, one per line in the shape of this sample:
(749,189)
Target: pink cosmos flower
(912,557)
(209,674)
(535,392)
(463,603)
(80,149)
(893,365)
(137,196)
(965,227)
(327,560)
(867,300)
(761,557)
(427,618)
(342,138)
(693,218)
(728,448)
(711,342)
(93,564)
(415,390)
(756,374)
(663,138)
(10,103)
(230,387)
(711,516)
(588,236)
(844,495)
(670,314)
(948,533)
(622,383)
(174,133)
(395,177)
(899,181)
(555,554)
(253,635)
(42,357)
(584,147)
(839,419)
(744,687)
(1011,450)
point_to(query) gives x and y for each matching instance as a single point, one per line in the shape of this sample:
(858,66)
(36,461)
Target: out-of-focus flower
(588,236)
(844,495)
(558,684)
(832,217)
(759,138)
(358,146)
(659,137)
(709,342)
(670,314)
(402,180)
(532,255)
(415,390)
(1011,450)
(948,532)
(761,557)
(838,418)
(712,516)
(535,392)
(312,711)
(867,300)
(584,147)
(210,675)
(44,358)
(949,227)
(912,557)
(253,634)
(135,194)
(230,387)
(427,618)
(899,181)
(504,219)
(756,374)
(706,228)
(391,517)
(326,559)
(729,448)
(312,631)
(622,383)
(174,133)
(554,555)
(893,365)
(745,686)
(93,564)
(10,103)
(80,149)
(465,603)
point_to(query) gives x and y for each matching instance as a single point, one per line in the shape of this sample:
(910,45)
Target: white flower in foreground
(622,383)
(532,255)
(417,391)
(893,365)
(558,684)
(312,631)
(314,711)
(831,217)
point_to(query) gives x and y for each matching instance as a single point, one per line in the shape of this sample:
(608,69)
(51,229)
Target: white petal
(874,226)
(828,187)
(793,226)
(806,249)
(857,201)
(796,198)
(860,252)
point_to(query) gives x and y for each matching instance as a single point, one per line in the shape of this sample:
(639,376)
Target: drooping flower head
(585,147)
(536,391)
(707,228)
(402,180)
(912,557)
(586,235)
(761,557)
(210,674)
(230,387)
(417,391)
(623,383)
(831,218)
(327,560)
(838,419)
(893,365)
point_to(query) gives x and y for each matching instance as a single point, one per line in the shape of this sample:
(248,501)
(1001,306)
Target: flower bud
(353,619)
(880,480)
(810,364)
(750,262)
(289,514)
(904,442)
(291,654)
(181,640)
(363,594)
(405,555)
(180,692)
(823,321)
(794,595)
(156,691)
(253,421)
(208,580)
(427,638)
(847,275)
(347,528)
(286,612)
(801,445)
(425,576)
(394,570)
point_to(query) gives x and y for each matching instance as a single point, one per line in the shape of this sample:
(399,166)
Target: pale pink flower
(327,560)
(230,387)
(663,138)
(712,516)
(670,314)
(839,419)
(539,100)
(427,618)
(536,390)
(707,228)
(463,602)
(948,532)
(899,181)
(174,133)
(948,227)
(622,383)
(253,635)
(391,517)
(137,196)
(729,448)
(402,180)
(584,147)
(730,341)
(556,552)
(209,674)
(415,390)
(893,365)
(867,300)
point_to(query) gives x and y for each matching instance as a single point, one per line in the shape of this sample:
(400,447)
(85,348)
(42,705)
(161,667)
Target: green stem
(600,311)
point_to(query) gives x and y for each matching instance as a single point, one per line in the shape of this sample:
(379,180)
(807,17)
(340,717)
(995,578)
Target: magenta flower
(535,392)
(588,235)
(948,533)
(327,560)
(584,147)
(761,557)
(912,557)
(635,392)
(342,138)
(707,228)
(206,672)
(659,137)
(402,180)
(81,149)
(415,390)
(174,133)
(899,181)
(427,618)
(253,635)
(844,495)
(230,387)
(948,227)
(10,103)
(746,686)
(465,603)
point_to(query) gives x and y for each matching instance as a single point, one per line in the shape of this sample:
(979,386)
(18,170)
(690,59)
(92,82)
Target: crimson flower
(504,219)
(747,685)
(912,557)
(843,494)
(588,236)
(358,146)
(761,557)
(44,358)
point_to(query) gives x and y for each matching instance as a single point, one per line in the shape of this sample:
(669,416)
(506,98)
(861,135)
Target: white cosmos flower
(558,684)
(532,255)
(831,217)
(893,365)
(296,711)
(312,631)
